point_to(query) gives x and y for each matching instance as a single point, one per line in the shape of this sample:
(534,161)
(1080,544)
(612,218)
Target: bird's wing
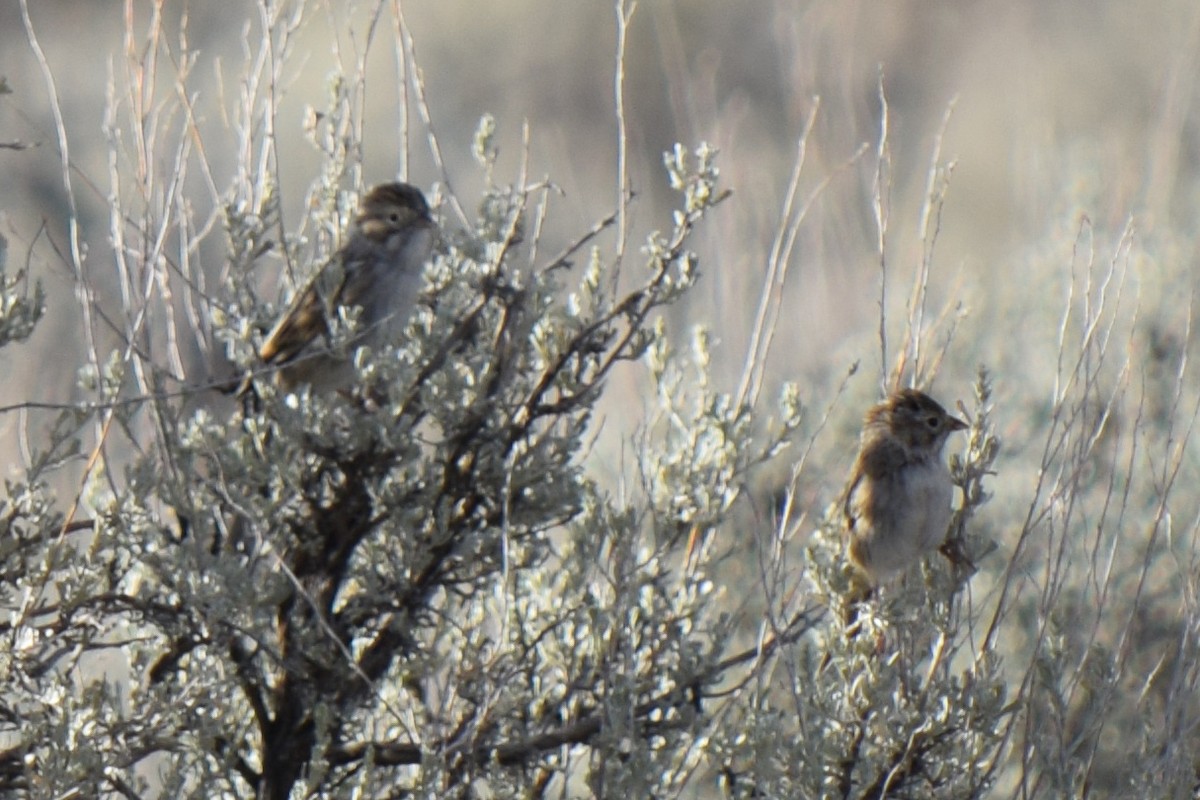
(848,498)
(303,322)
(306,317)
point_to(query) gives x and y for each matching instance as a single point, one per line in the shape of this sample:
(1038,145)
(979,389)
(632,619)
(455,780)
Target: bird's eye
(394,217)
(933,422)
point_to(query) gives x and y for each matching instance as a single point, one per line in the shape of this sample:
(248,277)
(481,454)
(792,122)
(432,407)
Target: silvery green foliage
(417,586)
(19,310)
(904,707)
(44,721)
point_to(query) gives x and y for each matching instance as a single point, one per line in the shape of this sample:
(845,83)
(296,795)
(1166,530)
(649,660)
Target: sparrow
(378,270)
(897,503)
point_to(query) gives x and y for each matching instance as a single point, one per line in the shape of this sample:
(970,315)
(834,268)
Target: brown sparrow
(897,505)
(378,270)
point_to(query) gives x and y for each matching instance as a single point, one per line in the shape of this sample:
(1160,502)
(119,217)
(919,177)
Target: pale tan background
(1067,116)
(1062,108)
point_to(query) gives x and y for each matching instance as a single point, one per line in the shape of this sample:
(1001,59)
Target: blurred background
(1061,136)
(1060,121)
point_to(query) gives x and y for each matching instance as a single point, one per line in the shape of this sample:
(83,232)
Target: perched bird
(378,270)
(897,505)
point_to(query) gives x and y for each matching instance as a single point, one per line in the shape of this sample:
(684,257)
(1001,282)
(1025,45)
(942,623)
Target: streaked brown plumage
(378,270)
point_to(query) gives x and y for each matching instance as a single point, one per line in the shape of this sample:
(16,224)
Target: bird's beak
(957,424)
